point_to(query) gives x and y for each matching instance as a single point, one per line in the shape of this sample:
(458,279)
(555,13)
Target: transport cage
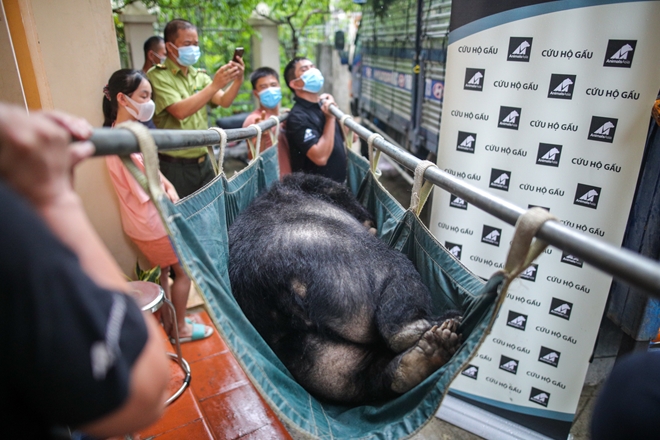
(197,226)
(398,70)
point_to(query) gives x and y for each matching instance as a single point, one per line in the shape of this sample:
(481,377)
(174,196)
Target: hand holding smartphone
(238,53)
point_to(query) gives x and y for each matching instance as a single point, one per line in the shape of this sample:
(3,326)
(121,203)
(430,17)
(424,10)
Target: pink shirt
(282,143)
(265,137)
(139,216)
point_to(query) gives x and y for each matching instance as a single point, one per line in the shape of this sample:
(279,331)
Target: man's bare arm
(322,150)
(211,93)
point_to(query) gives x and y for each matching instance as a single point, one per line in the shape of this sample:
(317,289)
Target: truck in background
(398,70)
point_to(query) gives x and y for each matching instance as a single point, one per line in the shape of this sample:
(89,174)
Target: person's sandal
(199,331)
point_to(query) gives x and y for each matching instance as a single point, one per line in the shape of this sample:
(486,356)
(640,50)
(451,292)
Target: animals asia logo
(491,235)
(587,195)
(457,202)
(602,129)
(548,155)
(620,53)
(517,320)
(471,371)
(474,79)
(509,117)
(509,365)
(529,206)
(520,49)
(539,396)
(309,135)
(455,249)
(466,142)
(568,258)
(549,356)
(499,179)
(561,308)
(561,86)
(529,274)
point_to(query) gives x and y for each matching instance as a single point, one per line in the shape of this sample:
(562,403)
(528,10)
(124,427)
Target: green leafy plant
(152,275)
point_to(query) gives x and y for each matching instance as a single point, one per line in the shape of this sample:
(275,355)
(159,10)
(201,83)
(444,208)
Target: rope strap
(374,158)
(218,165)
(347,133)
(150,179)
(523,251)
(420,189)
(274,140)
(256,150)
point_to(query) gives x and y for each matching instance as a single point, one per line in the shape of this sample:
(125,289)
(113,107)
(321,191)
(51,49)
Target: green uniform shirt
(171,86)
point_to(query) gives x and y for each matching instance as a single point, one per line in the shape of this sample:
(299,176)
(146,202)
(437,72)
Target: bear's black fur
(348,316)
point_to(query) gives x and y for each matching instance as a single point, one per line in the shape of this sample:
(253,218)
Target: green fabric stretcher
(198,230)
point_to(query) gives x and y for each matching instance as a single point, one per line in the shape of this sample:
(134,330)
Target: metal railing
(109,141)
(621,263)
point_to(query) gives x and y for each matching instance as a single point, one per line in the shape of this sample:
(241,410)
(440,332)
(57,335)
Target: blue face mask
(270,97)
(188,55)
(313,80)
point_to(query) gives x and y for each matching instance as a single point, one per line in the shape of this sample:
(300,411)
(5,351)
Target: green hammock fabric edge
(198,229)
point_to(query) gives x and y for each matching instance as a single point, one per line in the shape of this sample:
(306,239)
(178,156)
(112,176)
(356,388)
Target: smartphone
(238,53)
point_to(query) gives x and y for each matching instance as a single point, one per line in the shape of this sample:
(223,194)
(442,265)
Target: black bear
(349,317)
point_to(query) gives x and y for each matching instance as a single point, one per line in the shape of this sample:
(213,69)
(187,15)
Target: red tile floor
(220,402)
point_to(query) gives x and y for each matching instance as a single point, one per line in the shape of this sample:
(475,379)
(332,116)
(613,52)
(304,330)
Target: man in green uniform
(181,93)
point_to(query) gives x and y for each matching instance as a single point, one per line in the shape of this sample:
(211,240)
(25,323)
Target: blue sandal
(199,331)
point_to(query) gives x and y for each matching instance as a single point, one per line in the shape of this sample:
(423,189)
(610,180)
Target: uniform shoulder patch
(309,135)
(160,66)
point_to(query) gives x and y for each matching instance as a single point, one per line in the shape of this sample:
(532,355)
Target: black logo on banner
(529,274)
(561,308)
(455,249)
(549,155)
(539,396)
(474,79)
(517,320)
(571,259)
(561,86)
(509,117)
(466,142)
(491,235)
(520,49)
(457,202)
(602,129)
(538,206)
(509,365)
(619,53)
(587,195)
(549,356)
(471,371)
(499,179)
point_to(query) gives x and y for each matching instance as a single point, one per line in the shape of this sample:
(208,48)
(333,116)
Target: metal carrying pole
(624,264)
(109,141)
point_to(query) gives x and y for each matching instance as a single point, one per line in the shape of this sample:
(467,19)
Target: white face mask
(162,59)
(145,110)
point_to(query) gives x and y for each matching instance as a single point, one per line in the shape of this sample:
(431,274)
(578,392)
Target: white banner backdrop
(547,106)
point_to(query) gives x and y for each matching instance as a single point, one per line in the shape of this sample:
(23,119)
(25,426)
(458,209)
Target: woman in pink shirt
(128,98)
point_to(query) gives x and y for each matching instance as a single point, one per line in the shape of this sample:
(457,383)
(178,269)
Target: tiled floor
(220,402)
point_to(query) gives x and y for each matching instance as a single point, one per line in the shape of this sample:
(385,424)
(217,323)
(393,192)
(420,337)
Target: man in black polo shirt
(315,140)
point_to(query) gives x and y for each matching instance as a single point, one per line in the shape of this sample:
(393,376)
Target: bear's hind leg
(432,351)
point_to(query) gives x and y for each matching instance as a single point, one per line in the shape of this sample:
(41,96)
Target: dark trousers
(187,177)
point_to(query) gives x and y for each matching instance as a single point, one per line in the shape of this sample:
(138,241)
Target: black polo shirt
(304,128)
